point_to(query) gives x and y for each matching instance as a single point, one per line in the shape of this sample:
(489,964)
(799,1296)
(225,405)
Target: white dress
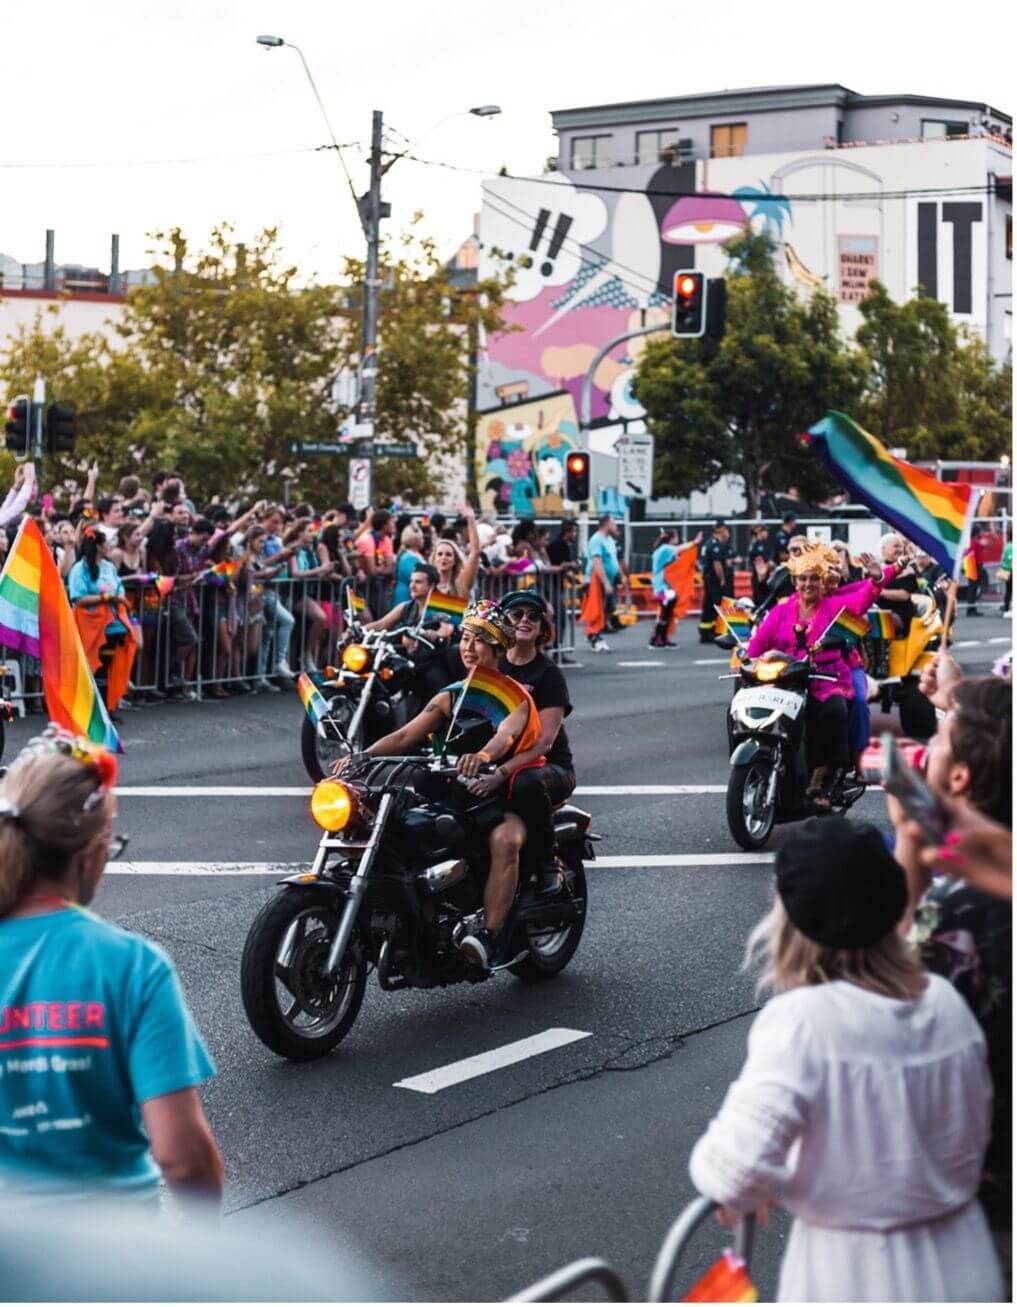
(867,1118)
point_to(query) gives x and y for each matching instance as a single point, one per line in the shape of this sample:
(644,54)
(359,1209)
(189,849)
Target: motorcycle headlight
(771,670)
(333,805)
(356,658)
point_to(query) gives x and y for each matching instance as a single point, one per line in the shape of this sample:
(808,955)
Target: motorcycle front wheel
(749,818)
(293,1009)
(323,745)
(549,950)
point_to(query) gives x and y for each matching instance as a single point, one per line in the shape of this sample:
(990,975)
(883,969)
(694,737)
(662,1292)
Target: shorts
(182,632)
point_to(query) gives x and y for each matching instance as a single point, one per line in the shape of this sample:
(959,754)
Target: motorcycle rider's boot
(549,878)
(478,946)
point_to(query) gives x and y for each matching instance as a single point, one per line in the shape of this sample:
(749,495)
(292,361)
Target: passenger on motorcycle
(791,629)
(486,633)
(893,549)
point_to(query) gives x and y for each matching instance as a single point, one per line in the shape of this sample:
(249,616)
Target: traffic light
(61,428)
(688,312)
(17,430)
(716,307)
(577,476)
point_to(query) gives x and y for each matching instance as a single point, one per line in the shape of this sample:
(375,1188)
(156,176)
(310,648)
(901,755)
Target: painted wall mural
(520,452)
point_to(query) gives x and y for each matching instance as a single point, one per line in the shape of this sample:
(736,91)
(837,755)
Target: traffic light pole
(370,216)
(38,412)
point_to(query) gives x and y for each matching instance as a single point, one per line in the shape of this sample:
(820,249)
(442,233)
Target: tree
(736,405)
(223,360)
(933,388)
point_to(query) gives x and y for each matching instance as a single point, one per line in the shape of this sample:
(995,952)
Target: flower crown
(100,760)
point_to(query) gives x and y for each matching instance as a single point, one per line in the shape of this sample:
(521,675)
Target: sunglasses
(517,615)
(117,844)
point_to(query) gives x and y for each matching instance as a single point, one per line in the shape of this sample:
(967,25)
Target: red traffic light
(576,462)
(687,285)
(577,476)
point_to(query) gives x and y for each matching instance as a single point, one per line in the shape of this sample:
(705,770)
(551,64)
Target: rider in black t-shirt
(533,621)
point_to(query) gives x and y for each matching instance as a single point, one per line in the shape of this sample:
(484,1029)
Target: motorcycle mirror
(725,641)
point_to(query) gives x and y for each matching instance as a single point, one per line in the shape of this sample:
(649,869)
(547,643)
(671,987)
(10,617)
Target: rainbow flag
(881,625)
(220,573)
(493,696)
(736,619)
(36,619)
(449,608)
(970,566)
(355,601)
(935,514)
(162,584)
(847,626)
(315,704)
(727,1280)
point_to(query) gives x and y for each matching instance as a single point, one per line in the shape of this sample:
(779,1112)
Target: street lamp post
(370,210)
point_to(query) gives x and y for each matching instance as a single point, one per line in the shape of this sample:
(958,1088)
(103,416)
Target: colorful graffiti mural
(521,451)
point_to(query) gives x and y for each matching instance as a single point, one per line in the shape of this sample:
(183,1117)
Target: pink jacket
(777,631)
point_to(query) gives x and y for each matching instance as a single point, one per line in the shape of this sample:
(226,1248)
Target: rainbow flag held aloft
(847,626)
(315,703)
(493,696)
(36,619)
(936,515)
(970,566)
(449,608)
(162,584)
(736,619)
(881,625)
(727,1280)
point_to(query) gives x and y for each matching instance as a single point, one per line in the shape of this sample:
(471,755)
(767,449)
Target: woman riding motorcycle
(517,743)
(792,628)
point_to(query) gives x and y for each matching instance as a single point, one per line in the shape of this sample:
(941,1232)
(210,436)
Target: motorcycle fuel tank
(431,828)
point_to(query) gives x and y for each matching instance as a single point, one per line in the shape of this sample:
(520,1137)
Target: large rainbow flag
(493,696)
(935,514)
(36,619)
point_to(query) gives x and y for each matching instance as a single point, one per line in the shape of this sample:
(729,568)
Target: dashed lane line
(302,791)
(495,1059)
(641,662)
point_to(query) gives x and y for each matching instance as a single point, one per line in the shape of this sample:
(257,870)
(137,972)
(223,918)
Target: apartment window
(1009,236)
(935,130)
(728,140)
(591,151)
(657,146)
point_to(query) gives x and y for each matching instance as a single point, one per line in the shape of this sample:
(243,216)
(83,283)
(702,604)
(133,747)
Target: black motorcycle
(399,873)
(766,738)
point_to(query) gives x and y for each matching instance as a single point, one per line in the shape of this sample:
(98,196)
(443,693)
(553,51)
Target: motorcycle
(399,873)
(766,731)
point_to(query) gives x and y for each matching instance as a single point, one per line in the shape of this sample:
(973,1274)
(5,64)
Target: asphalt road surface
(474,1190)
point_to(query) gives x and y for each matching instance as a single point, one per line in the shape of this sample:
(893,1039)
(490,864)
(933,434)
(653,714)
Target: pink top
(777,631)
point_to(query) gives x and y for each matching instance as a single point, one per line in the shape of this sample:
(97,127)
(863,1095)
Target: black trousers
(712,595)
(534,794)
(664,619)
(826,732)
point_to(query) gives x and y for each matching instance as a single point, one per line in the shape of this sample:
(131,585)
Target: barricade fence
(208,641)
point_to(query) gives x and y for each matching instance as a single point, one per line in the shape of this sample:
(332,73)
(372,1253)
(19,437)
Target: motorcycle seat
(569,812)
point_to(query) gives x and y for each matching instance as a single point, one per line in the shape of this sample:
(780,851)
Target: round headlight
(356,657)
(333,805)
(770,670)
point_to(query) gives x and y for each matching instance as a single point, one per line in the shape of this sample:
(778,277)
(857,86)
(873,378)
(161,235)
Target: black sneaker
(478,947)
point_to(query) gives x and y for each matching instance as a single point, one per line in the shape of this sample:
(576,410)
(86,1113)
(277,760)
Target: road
(473,1191)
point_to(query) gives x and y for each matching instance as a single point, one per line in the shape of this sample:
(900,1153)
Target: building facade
(913,191)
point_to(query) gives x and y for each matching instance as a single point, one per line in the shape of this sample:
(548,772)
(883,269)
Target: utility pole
(370,216)
(38,415)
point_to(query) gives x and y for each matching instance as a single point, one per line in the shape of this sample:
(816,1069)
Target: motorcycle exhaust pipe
(385,979)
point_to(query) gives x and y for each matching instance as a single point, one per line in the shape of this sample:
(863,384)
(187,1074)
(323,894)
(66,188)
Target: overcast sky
(133,80)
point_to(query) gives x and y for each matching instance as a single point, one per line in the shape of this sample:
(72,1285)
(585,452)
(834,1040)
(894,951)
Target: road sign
(635,466)
(346,389)
(360,482)
(405,450)
(317,447)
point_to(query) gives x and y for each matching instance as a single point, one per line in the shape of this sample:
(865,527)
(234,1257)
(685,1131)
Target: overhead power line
(198,158)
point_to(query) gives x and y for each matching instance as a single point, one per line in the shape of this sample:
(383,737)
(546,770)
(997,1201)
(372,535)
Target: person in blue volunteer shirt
(665,551)
(100,1058)
(602,558)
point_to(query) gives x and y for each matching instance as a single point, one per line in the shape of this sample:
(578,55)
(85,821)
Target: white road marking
(443,1077)
(710,662)
(679,859)
(1001,639)
(586,790)
(302,792)
(641,662)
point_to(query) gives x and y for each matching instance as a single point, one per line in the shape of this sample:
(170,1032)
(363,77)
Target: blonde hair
(787,959)
(45,826)
(411,538)
(460,560)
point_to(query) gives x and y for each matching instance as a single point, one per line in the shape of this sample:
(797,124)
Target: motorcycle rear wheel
(550,951)
(750,827)
(291,1010)
(320,748)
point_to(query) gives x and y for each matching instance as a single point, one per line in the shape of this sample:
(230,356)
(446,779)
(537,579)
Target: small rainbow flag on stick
(970,566)
(881,624)
(846,626)
(448,607)
(162,584)
(355,601)
(735,619)
(727,1280)
(489,694)
(36,619)
(935,514)
(315,704)
(219,573)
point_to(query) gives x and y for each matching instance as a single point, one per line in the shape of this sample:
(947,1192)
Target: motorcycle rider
(423,579)
(792,628)
(485,634)
(435,666)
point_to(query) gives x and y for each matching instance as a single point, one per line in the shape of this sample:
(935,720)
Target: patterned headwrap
(818,557)
(486,620)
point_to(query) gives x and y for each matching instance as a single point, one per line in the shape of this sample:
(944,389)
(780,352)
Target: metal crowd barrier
(594,1270)
(241,637)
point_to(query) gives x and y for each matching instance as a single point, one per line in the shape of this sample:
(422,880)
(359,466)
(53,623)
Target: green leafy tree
(223,361)
(933,388)
(736,405)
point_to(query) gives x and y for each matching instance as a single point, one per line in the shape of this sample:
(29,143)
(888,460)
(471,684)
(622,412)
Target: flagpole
(950,613)
(455,711)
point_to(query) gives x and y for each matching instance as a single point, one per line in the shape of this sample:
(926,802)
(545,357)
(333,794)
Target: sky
(123,83)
